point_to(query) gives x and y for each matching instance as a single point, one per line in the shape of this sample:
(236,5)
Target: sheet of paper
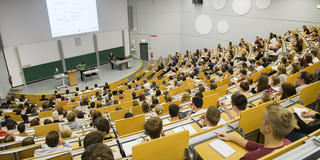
(166,121)
(299,110)
(117,155)
(200,112)
(127,147)
(178,129)
(190,129)
(222,121)
(222,148)
(229,97)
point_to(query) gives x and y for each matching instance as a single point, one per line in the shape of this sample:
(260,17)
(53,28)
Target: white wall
(279,17)
(25,24)
(4,80)
(158,17)
(174,22)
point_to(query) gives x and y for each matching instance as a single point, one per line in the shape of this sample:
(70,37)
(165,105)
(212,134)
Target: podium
(72,77)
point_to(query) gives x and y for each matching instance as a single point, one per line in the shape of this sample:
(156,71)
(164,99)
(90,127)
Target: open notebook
(185,127)
(299,110)
(222,148)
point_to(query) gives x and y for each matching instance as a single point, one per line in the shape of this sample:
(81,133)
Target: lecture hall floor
(106,75)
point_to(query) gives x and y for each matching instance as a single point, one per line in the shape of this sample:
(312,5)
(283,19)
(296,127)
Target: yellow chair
(16,118)
(222,90)
(68,108)
(284,149)
(43,130)
(63,155)
(166,106)
(19,152)
(190,85)
(180,90)
(211,100)
(161,99)
(315,133)
(309,94)
(116,115)
(130,125)
(251,118)
(139,91)
(162,87)
(226,81)
(102,110)
(77,98)
(62,103)
(11,113)
(112,108)
(45,114)
(208,93)
(136,110)
(127,104)
(163,148)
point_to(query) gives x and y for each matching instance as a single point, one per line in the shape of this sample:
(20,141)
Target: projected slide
(69,17)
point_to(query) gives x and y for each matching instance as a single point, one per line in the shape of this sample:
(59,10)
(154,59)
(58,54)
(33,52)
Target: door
(144,51)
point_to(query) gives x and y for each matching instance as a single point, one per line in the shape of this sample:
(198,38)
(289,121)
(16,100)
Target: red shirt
(2,134)
(257,150)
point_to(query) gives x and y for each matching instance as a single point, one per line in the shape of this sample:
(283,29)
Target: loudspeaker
(197,1)
(130,18)
(1,44)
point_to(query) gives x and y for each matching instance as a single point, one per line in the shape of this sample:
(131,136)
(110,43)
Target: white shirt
(259,68)
(315,60)
(298,89)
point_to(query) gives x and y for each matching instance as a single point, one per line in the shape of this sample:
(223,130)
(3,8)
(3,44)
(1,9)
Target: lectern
(72,77)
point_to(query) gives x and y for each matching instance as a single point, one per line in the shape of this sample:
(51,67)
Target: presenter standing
(81,68)
(111,57)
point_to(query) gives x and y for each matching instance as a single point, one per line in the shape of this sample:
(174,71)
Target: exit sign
(154,35)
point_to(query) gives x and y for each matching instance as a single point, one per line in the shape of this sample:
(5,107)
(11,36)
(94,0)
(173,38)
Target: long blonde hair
(159,110)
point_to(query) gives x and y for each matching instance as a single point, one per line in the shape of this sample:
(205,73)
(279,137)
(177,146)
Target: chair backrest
(139,91)
(222,90)
(77,98)
(309,94)
(29,151)
(190,85)
(161,99)
(130,125)
(208,93)
(73,104)
(11,113)
(68,108)
(255,76)
(102,110)
(16,118)
(251,118)
(180,89)
(45,114)
(112,108)
(166,106)
(162,87)
(63,155)
(293,78)
(127,104)
(116,115)
(163,148)
(43,130)
(62,103)
(284,149)
(315,133)
(136,110)
(226,81)
(211,100)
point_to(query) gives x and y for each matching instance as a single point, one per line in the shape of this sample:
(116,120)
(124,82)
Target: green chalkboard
(103,55)
(42,71)
(89,59)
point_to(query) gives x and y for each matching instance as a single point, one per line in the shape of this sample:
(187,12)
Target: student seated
(153,128)
(93,138)
(55,116)
(47,121)
(8,138)
(211,118)
(173,112)
(103,125)
(43,98)
(34,122)
(277,122)
(22,129)
(97,151)
(158,110)
(11,126)
(65,131)
(304,79)
(27,141)
(197,105)
(265,97)
(239,103)
(7,119)
(72,123)
(52,142)
(263,84)
(287,90)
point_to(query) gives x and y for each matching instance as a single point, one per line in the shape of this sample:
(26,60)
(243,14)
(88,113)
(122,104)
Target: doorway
(144,51)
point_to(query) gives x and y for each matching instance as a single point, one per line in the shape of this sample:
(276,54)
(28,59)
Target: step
(14,89)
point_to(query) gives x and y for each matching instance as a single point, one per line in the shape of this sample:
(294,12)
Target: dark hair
(11,126)
(92,104)
(240,101)
(213,86)
(307,77)
(145,107)
(244,85)
(8,138)
(128,115)
(92,138)
(153,127)
(21,127)
(213,115)
(309,58)
(197,101)
(34,122)
(27,141)
(142,97)
(47,121)
(263,82)
(95,115)
(288,90)
(80,115)
(158,92)
(102,124)
(173,110)
(52,139)
(98,151)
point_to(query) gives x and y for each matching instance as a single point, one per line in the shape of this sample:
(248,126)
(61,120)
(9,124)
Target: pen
(308,111)
(216,133)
